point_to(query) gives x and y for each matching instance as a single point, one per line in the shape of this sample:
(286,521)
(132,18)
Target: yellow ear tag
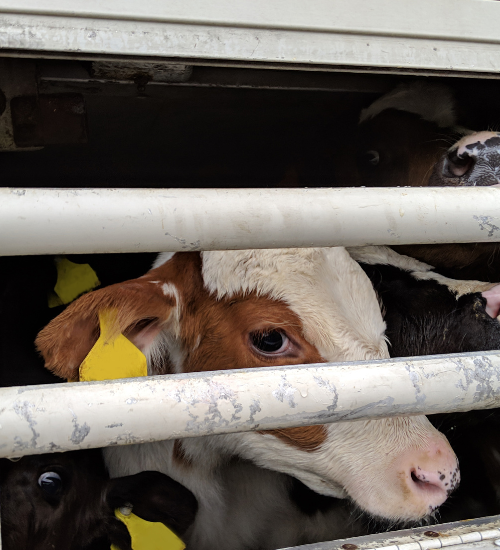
(147,535)
(72,280)
(113,356)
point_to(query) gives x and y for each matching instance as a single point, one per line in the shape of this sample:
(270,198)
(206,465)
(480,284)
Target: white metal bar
(460,36)
(472,19)
(466,535)
(60,221)
(64,417)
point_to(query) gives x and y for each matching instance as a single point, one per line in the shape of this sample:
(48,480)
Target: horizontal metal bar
(464,535)
(63,417)
(61,221)
(469,43)
(402,18)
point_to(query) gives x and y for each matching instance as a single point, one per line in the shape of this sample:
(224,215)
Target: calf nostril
(415,478)
(456,166)
(430,483)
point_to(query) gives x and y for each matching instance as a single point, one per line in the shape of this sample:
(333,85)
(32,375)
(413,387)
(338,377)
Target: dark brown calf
(65,501)
(411,137)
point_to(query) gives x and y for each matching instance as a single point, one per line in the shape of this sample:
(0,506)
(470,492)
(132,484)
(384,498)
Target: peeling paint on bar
(77,221)
(63,417)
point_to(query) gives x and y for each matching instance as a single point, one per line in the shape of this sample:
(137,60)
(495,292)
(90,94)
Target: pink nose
(492,301)
(429,475)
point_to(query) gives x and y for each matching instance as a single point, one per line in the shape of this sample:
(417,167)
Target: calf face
(66,502)
(403,134)
(410,137)
(428,314)
(243,309)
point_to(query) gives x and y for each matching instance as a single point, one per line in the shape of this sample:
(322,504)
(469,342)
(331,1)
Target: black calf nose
(455,165)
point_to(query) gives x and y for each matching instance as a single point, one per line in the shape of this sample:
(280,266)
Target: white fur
(382,255)
(323,286)
(245,505)
(162,258)
(433,102)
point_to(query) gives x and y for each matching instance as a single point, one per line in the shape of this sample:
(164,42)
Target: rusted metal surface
(62,76)
(63,417)
(131,70)
(17,77)
(39,120)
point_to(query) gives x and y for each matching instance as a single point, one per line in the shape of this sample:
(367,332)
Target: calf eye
(372,157)
(50,483)
(272,341)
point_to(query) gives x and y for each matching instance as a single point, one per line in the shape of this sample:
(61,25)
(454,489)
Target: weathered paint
(65,221)
(62,417)
(381,34)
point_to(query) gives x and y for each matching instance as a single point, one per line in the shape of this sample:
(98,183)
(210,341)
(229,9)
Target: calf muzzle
(472,161)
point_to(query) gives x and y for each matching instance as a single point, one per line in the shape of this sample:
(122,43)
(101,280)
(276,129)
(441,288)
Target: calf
(244,309)
(427,314)
(411,137)
(67,502)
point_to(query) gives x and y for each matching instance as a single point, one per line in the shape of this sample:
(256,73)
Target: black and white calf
(411,137)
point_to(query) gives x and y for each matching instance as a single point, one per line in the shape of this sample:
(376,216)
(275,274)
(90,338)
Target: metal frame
(65,417)
(55,221)
(460,38)
(84,415)
(452,36)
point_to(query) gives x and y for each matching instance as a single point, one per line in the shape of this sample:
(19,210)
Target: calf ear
(155,497)
(141,309)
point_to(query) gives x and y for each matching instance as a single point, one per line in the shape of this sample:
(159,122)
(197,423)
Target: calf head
(66,502)
(410,137)
(403,134)
(243,309)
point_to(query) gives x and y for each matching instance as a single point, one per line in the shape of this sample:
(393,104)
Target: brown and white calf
(243,309)
(411,137)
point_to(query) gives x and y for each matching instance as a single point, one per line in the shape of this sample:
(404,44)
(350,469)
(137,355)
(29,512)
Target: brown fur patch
(308,438)
(212,334)
(66,340)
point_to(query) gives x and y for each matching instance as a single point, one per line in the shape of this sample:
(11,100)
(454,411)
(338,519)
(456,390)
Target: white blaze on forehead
(327,289)
(433,102)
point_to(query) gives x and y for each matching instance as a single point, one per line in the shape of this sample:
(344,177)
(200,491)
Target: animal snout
(472,161)
(429,475)
(492,301)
